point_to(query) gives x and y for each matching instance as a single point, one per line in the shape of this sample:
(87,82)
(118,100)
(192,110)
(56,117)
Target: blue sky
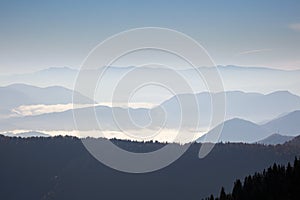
(40,34)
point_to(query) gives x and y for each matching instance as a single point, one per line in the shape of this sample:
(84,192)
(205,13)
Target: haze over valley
(150,100)
(249,114)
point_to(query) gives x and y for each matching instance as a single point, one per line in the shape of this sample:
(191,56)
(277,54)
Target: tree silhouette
(237,190)
(275,183)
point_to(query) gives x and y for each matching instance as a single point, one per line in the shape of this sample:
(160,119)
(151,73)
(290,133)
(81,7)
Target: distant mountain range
(266,80)
(21,94)
(239,130)
(287,125)
(244,111)
(250,116)
(251,106)
(16,95)
(61,76)
(275,139)
(234,130)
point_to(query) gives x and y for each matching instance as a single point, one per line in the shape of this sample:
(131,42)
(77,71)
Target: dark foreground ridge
(277,182)
(61,168)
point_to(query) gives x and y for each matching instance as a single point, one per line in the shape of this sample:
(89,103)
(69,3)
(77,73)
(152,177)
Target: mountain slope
(65,120)
(234,130)
(61,168)
(285,125)
(62,76)
(238,130)
(255,107)
(275,139)
(21,94)
(234,78)
(277,182)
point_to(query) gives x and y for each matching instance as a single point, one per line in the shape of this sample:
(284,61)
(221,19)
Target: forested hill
(61,168)
(276,183)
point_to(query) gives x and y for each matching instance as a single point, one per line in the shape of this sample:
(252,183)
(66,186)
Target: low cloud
(30,110)
(253,51)
(295,26)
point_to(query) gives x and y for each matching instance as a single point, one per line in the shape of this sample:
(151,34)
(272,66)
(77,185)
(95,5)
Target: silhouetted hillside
(21,94)
(286,125)
(239,130)
(276,183)
(275,139)
(61,168)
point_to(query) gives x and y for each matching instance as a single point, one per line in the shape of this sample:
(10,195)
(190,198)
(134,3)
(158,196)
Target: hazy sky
(40,34)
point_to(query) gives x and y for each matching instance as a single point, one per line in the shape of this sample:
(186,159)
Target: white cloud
(27,110)
(253,51)
(30,110)
(295,26)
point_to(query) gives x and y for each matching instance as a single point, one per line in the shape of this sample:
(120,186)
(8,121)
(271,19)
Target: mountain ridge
(275,139)
(61,167)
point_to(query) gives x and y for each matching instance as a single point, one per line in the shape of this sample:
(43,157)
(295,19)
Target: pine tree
(222,194)
(276,183)
(237,190)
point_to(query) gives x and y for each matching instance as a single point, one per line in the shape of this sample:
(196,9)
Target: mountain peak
(238,120)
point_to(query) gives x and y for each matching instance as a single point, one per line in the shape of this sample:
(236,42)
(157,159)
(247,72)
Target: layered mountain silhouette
(239,130)
(251,106)
(286,125)
(242,108)
(275,139)
(21,94)
(16,95)
(62,76)
(234,77)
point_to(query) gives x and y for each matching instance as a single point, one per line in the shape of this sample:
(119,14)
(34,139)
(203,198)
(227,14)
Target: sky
(35,35)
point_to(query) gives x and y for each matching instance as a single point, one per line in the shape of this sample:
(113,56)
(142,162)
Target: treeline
(277,182)
(61,168)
